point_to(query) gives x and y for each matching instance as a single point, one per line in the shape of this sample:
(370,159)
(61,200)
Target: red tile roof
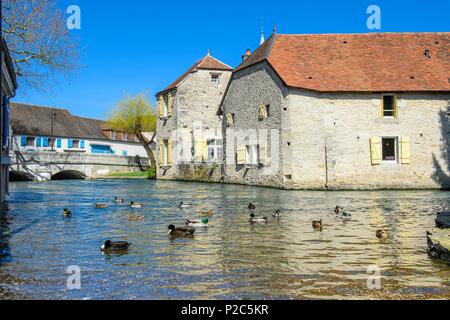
(374,62)
(206,63)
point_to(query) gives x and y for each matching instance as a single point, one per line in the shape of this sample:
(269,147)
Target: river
(232,259)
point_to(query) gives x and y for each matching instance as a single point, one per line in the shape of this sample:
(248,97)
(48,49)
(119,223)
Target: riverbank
(149,174)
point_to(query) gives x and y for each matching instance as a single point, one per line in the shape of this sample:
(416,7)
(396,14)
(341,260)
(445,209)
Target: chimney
(247,54)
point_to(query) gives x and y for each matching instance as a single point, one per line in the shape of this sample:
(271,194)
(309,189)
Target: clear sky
(136,46)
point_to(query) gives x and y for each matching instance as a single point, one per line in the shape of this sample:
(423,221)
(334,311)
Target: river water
(231,259)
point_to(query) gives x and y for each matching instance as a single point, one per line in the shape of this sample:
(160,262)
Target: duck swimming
(338,209)
(135,217)
(206,213)
(66,212)
(110,246)
(382,234)
(257,219)
(346,216)
(277,214)
(185,205)
(135,205)
(101,206)
(196,223)
(181,231)
(118,200)
(251,206)
(317,225)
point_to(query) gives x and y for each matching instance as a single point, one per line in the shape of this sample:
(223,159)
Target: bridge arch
(19,176)
(69,175)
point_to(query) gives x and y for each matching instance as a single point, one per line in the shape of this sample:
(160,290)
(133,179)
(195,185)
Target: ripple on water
(285,259)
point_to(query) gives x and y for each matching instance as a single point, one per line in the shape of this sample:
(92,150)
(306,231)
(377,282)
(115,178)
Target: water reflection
(231,259)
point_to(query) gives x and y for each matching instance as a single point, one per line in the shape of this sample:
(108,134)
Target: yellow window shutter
(229,120)
(170,104)
(161,106)
(204,150)
(161,153)
(200,150)
(169,153)
(406,150)
(262,154)
(375,150)
(262,112)
(241,157)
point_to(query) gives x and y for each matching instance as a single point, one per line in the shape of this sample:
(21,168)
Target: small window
(389,149)
(268,110)
(215,78)
(214,150)
(125,136)
(252,154)
(113,135)
(30,142)
(76,144)
(389,106)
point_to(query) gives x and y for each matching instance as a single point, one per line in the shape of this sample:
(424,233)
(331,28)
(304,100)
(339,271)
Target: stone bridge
(45,166)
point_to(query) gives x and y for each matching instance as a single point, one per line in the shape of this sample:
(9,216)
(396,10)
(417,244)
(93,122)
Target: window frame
(28,138)
(395,106)
(396,152)
(215,76)
(217,149)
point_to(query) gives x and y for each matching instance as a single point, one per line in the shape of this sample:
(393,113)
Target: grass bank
(149,174)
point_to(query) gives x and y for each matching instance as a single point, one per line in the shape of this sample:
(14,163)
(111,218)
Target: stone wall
(325,137)
(249,89)
(195,107)
(344,124)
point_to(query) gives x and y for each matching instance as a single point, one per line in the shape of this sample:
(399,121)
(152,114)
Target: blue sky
(145,45)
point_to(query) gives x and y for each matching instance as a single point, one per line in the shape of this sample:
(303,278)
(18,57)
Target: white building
(37,128)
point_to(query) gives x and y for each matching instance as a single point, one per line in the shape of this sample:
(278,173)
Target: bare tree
(39,40)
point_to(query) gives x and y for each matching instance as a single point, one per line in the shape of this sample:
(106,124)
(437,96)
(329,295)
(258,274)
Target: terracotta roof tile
(375,62)
(206,63)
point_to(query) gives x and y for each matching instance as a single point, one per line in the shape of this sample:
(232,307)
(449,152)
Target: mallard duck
(118,200)
(382,234)
(66,212)
(251,206)
(338,209)
(101,206)
(257,219)
(115,246)
(277,214)
(196,223)
(208,213)
(135,205)
(185,205)
(134,217)
(181,231)
(346,216)
(317,225)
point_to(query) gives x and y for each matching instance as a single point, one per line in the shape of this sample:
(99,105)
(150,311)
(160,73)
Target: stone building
(189,131)
(9,86)
(341,111)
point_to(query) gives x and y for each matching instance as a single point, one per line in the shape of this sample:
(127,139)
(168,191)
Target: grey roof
(37,121)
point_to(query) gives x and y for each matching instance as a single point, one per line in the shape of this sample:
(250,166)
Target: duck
(66,212)
(134,217)
(382,234)
(118,200)
(257,219)
(135,205)
(317,224)
(109,246)
(346,216)
(181,231)
(251,206)
(338,209)
(206,213)
(277,214)
(196,223)
(101,206)
(185,205)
